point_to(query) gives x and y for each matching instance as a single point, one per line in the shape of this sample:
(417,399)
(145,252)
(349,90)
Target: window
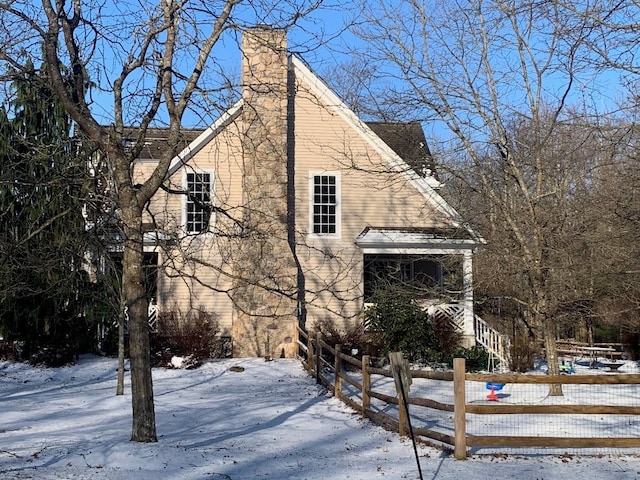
(426,277)
(325,206)
(198,203)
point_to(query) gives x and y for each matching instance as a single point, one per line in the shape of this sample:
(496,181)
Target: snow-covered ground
(268,421)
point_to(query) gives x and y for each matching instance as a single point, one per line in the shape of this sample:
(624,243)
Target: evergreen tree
(44,183)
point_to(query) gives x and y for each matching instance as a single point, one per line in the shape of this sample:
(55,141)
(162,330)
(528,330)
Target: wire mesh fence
(597,413)
(588,418)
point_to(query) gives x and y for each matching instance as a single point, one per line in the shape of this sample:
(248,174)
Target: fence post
(337,371)
(366,385)
(310,355)
(400,369)
(459,416)
(318,355)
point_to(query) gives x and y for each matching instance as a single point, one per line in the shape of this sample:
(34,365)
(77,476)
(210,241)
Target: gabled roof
(394,143)
(425,185)
(408,141)
(204,138)
(155,140)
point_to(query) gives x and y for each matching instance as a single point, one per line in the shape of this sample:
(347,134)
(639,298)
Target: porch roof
(404,238)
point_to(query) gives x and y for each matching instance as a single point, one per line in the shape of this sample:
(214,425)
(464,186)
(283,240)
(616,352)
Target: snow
(256,420)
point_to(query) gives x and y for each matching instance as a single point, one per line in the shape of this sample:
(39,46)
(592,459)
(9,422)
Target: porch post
(467,298)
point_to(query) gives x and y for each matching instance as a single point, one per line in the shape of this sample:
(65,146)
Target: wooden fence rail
(333,369)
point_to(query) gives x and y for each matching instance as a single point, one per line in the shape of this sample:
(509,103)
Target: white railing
(152,318)
(493,341)
(105,327)
(496,344)
(152,314)
(448,311)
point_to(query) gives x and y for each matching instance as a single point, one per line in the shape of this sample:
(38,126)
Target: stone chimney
(264,118)
(265,286)
(264,81)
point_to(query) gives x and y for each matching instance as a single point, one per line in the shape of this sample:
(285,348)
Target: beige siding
(371,195)
(198,269)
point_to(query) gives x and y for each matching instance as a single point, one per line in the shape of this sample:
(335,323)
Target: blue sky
(318,38)
(323,42)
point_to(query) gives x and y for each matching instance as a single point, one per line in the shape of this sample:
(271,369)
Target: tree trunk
(122,317)
(551,354)
(144,427)
(546,323)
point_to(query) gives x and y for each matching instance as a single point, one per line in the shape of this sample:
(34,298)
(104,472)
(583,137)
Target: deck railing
(492,340)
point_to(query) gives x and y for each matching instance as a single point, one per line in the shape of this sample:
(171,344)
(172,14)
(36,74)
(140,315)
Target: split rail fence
(447,420)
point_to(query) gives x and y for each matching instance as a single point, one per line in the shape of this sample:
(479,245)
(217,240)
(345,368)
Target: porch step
(494,342)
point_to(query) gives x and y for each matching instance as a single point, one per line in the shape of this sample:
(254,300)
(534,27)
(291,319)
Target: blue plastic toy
(567,368)
(494,387)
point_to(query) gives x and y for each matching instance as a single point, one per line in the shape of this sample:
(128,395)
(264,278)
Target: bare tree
(613,39)
(612,31)
(614,231)
(582,236)
(150,63)
(499,81)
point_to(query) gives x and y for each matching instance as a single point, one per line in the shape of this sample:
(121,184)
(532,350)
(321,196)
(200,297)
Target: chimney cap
(265,26)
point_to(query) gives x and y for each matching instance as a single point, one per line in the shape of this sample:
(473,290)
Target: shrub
(52,356)
(11,351)
(631,342)
(523,351)
(403,325)
(355,340)
(476,358)
(449,337)
(193,336)
(42,355)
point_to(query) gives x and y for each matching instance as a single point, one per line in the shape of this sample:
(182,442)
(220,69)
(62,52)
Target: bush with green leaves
(476,358)
(403,324)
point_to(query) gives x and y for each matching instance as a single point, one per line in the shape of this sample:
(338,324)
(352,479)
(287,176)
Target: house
(289,210)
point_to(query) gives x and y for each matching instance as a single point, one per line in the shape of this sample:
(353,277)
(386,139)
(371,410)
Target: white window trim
(212,218)
(338,233)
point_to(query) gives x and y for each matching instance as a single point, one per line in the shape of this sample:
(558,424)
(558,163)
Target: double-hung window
(198,202)
(325,204)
